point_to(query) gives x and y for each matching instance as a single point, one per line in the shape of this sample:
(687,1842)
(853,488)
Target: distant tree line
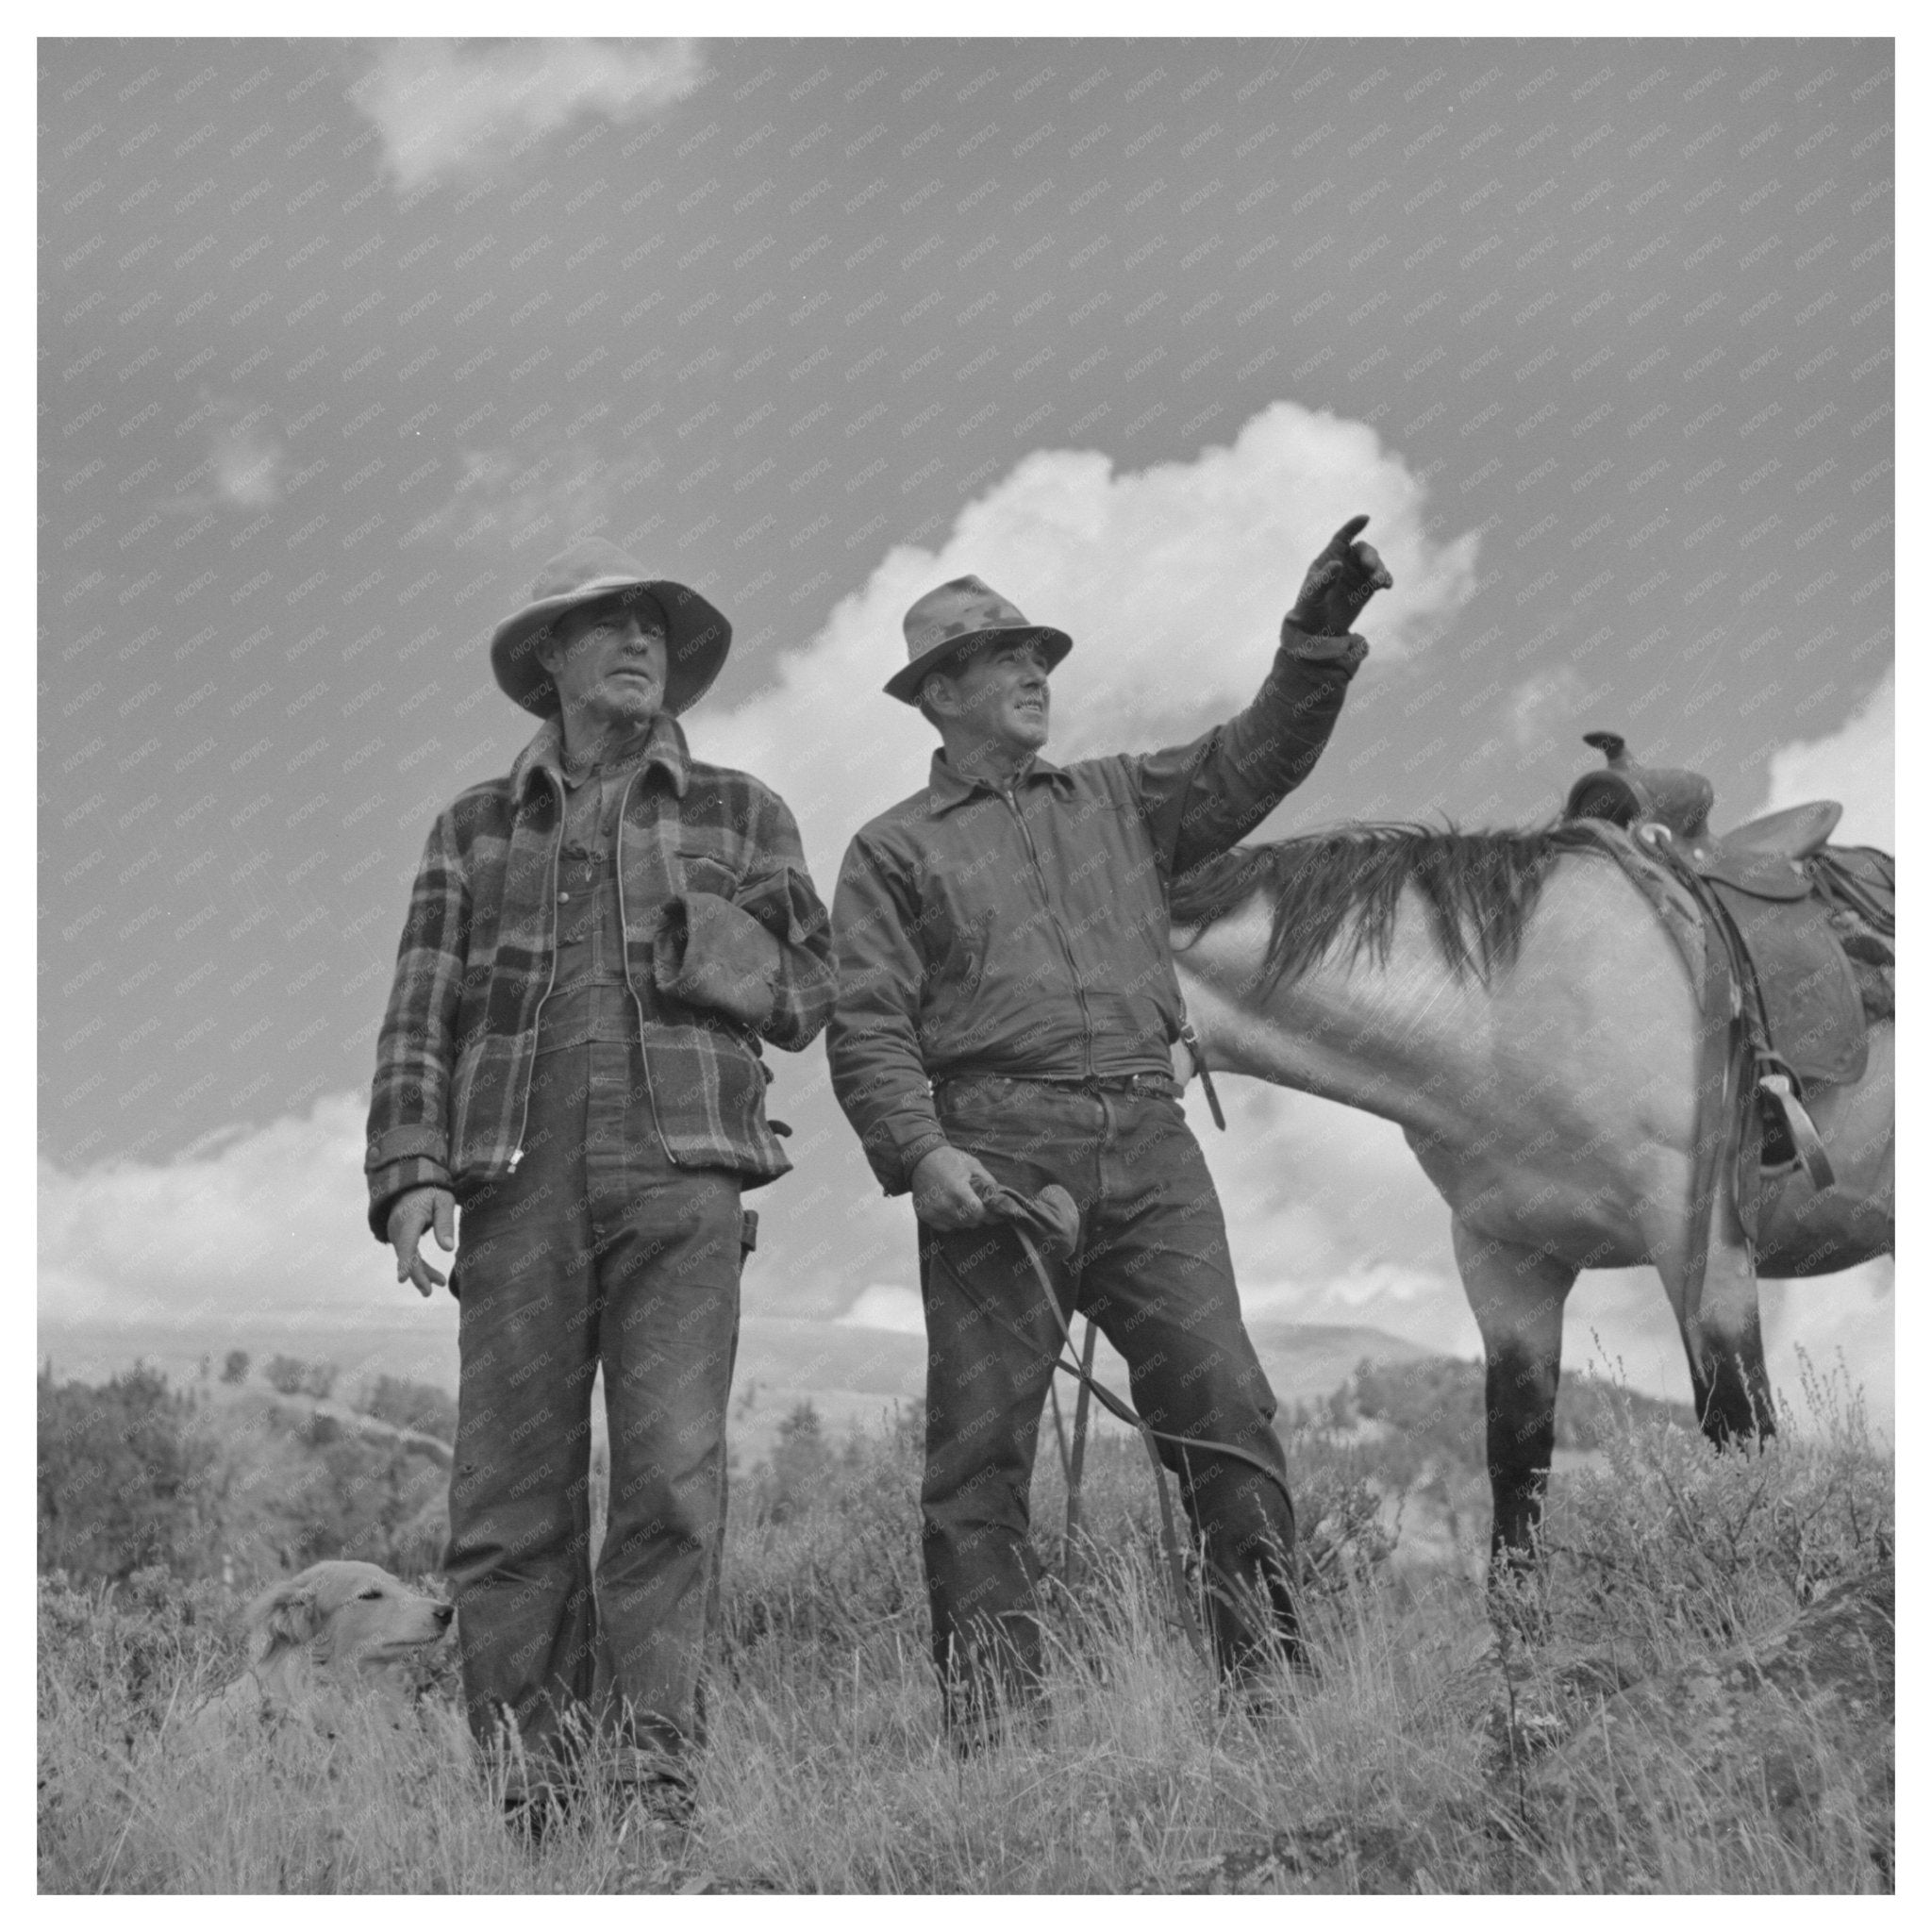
(1431,1412)
(287,1376)
(125,1476)
(133,1474)
(418,1405)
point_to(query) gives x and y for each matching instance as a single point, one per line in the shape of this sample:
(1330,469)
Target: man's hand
(1340,582)
(947,1186)
(411,1217)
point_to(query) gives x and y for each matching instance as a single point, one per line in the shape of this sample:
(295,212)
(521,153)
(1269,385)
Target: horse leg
(1516,1293)
(1724,1344)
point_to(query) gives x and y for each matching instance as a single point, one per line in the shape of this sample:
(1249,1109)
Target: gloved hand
(953,1190)
(1049,1217)
(707,953)
(1340,582)
(948,1187)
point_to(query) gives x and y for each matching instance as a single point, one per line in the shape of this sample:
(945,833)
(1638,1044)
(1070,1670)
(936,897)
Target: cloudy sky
(339,342)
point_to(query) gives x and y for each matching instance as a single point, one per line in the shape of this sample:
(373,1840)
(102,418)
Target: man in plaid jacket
(596,945)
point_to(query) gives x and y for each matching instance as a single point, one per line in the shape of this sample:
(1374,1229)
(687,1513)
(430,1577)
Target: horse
(1511,1001)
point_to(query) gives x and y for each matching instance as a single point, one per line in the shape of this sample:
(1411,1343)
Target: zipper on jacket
(623,954)
(1059,931)
(550,900)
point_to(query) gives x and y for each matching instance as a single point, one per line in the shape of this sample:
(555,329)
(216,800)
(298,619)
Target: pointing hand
(1340,582)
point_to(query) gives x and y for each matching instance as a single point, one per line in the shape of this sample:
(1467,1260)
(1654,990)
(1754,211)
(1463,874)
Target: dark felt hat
(955,618)
(597,572)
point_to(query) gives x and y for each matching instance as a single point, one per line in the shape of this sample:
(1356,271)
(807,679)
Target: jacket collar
(664,747)
(947,788)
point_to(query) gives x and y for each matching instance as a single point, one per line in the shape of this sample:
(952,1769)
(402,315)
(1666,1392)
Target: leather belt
(1160,1086)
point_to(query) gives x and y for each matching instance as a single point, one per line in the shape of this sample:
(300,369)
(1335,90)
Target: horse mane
(1343,887)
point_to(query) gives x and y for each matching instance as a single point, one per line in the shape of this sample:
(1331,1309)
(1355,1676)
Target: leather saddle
(1789,916)
(1763,857)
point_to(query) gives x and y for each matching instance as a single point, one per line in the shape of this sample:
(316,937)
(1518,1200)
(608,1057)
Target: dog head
(350,1615)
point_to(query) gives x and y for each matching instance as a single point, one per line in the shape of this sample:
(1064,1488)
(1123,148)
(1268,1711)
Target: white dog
(338,1633)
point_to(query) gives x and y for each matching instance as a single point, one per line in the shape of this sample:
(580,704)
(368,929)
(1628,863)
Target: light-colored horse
(1511,1002)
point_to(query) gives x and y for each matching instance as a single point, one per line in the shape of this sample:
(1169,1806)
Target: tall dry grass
(1413,1760)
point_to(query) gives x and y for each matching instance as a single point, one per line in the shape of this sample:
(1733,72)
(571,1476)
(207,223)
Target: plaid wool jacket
(725,942)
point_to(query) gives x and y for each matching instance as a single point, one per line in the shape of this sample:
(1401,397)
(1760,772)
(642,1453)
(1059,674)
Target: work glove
(1340,582)
(1049,1217)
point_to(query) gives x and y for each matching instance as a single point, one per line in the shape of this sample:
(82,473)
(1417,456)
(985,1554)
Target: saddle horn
(1626,793)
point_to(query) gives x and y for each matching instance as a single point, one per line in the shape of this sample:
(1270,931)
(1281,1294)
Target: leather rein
(1046,1219)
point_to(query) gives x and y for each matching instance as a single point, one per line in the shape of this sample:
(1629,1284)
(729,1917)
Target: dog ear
(285,1614)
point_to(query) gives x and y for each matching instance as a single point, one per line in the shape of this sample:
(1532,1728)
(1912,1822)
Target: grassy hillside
(1432,1749)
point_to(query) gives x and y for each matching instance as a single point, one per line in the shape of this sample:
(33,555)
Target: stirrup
(1776,1089)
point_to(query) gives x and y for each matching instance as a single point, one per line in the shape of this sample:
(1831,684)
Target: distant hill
(1306,1359)
(417,1342)
(850,1373)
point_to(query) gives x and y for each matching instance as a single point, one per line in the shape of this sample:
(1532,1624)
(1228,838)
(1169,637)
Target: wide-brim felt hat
(597,572)
(957,617)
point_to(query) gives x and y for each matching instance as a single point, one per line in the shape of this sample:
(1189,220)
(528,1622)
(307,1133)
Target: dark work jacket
(1025,932)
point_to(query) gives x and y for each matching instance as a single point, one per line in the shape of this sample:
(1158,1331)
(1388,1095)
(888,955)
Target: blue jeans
(1152,1272)
(596,1252)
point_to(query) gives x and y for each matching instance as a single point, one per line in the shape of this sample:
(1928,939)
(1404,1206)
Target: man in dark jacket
(1007,1016)
(595,945)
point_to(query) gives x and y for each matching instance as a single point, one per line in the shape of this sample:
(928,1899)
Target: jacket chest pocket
(950,999)
(710,867)
(955,948)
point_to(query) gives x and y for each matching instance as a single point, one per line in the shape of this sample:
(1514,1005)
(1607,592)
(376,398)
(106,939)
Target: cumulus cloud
(1329,1217)
(1171,580)
(1855,765)
(256,1222)
(445,107)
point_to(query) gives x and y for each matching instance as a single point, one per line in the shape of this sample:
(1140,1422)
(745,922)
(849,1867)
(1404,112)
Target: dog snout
(442,1613)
